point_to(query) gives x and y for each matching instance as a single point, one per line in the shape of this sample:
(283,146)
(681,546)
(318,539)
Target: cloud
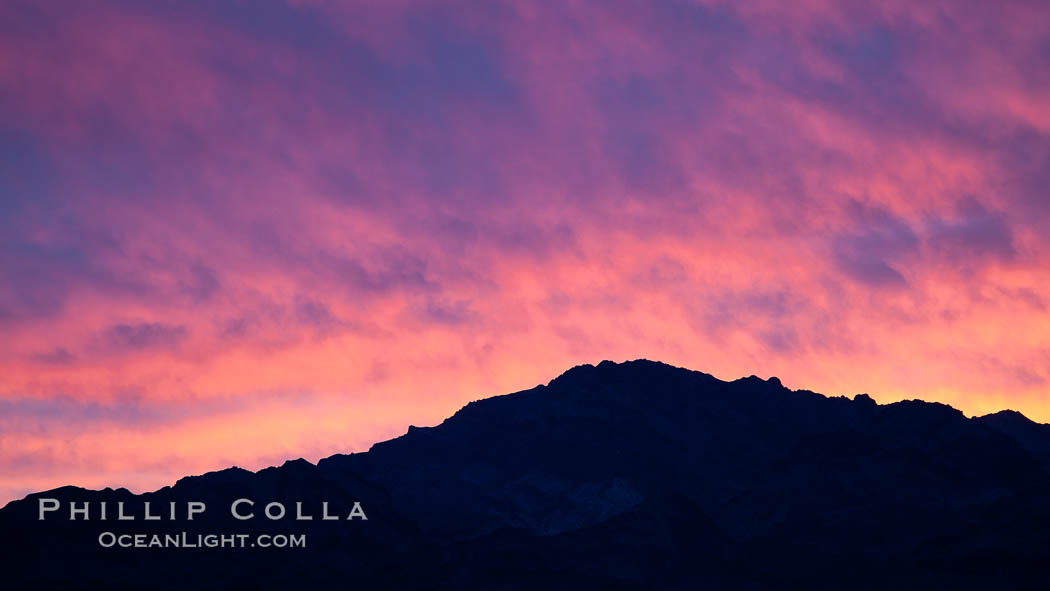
(143,336)
(213,200)
(59,356)
(973,235)
(879,240)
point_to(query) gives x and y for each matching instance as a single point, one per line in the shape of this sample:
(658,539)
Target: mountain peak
(633,370)
(231,474)
(1008,415)
(865,400)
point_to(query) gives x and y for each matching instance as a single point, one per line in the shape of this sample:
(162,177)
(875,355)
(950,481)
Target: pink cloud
(242,234)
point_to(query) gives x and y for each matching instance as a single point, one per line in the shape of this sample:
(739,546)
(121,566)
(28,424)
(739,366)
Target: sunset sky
(233,233)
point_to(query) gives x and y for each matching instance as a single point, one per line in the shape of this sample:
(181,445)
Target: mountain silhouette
(615,476)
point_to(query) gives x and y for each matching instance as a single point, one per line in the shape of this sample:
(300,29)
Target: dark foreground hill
(633,475)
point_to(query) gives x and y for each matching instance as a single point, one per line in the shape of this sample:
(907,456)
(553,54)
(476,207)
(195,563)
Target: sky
(233,233)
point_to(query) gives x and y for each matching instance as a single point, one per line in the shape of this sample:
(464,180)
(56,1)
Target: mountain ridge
(620,475)
(1003,417)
